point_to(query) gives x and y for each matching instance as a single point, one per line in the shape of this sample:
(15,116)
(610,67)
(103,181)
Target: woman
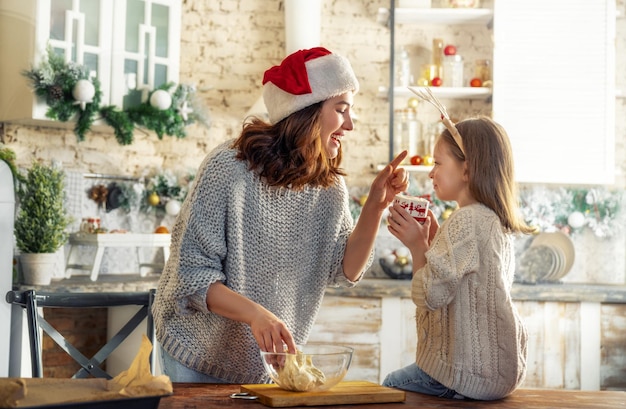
(267,228)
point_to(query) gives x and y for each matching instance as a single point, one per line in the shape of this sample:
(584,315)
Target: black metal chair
(31,301)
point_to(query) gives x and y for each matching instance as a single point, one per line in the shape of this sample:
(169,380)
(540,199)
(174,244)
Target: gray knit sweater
(470,337)
(278,247)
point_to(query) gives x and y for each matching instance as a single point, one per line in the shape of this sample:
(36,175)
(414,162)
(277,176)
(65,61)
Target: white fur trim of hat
(328,75)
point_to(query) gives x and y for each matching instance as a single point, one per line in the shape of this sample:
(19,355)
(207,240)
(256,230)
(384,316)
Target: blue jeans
(412,378)
(180,373)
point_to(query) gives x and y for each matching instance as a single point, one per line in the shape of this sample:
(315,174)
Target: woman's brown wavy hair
(289,153)
(490,168)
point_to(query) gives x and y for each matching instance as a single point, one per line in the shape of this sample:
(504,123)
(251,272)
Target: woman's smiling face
(335,120)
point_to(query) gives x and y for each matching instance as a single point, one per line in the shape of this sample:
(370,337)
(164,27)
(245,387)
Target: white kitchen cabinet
(576,343)
(554,88)
(553,82)
(131,46)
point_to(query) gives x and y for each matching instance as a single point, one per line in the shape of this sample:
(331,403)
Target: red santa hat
(304,78)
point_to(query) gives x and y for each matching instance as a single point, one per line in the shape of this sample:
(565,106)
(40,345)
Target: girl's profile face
(449,181)
(335,120)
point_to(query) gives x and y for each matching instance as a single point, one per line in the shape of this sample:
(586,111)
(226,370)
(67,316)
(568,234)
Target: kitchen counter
(368,288)
(378,318)
(191,396)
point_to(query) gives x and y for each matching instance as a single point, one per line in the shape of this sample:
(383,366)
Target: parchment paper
(136,381)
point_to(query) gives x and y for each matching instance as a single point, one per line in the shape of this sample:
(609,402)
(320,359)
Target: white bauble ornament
(172,207)
(83,93)
(576,220)
(403,252)
(161,99)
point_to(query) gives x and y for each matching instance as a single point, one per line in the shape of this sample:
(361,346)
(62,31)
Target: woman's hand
(271,333)
(388,183)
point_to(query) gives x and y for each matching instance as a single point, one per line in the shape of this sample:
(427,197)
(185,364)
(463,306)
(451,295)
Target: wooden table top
(196,396)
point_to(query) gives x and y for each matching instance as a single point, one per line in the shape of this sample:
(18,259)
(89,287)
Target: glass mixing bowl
(316,367)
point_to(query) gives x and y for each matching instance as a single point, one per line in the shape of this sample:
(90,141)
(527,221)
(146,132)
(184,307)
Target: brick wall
(85,328)
(225,48)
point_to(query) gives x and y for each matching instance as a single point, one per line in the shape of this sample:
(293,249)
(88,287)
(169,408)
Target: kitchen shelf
(441,92)
(437,16)
(394,17)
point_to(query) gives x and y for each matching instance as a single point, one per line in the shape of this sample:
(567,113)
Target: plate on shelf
(562,242)
(537,264)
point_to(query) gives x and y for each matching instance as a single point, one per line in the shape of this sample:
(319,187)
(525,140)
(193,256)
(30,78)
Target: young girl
(471,341)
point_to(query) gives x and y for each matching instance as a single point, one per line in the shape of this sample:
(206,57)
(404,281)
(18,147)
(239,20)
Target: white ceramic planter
(38,269)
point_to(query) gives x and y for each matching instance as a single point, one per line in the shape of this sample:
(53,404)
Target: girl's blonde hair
(489,159)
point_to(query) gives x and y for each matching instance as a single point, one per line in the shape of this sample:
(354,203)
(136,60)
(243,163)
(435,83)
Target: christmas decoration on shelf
(161,100)
(397,263)
(571,210)
(68,91)
(98,194)
(83,93)
(161,193)
(71,93)
(165,192)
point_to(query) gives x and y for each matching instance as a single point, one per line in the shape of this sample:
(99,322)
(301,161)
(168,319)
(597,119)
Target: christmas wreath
(70,93)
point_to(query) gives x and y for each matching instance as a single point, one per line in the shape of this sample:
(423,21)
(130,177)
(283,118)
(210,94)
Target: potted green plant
(41,222)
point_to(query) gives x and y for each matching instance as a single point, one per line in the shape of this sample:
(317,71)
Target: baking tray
(148,402)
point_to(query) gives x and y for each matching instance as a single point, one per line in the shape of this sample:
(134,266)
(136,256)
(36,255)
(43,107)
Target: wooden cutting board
(344,393)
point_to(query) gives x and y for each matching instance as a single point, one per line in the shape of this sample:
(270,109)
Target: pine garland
(162,122)
(54,81)
(550,209)
(122,126)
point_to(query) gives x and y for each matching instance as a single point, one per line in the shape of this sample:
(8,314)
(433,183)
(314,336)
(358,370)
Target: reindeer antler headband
(427,95)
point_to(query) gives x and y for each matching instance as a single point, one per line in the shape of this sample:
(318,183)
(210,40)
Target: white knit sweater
(470,337)
(278,247)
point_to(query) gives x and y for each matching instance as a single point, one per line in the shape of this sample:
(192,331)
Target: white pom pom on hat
(304,78)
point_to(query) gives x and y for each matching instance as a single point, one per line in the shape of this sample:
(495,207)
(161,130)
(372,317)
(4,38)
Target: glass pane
(57,18)
(160,75)
(160,18)
(134,17)
(130,67)
(59,51)
(146,62)
(91,62)
(133,95)
(74,41)
(91,9)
